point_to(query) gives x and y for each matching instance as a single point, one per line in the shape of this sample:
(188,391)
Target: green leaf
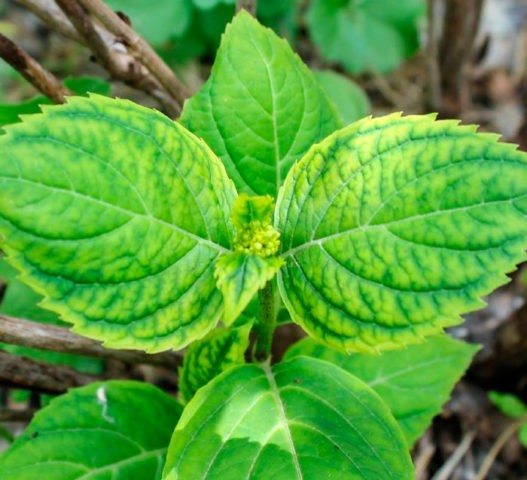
(205,359)
(365,36)
(349,99)
(239,277)
(102,431)
(393,227)
(302,419)
(20,301)
(207,4)
(508,404)
(10,112)
(261,108)
(117,221)
(158,20)
(522,435)
(414,382)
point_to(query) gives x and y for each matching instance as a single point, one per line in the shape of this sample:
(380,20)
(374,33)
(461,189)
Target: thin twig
(432,57)
(140,49)
(426,452)
(20,372)
(26,333)
(12,415)
(448,467)
(249,5)
(498,445)
(52,16)
(32,71)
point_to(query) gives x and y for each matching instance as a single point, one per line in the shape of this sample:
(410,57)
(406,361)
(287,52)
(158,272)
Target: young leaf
(239,277)
(205,359)
(105,430)
(513,407)
(117,221)
(414,382)
(349,99)
(393,227)
(261,108)
(285,423)
(365,36)
(241,274)
(509,404)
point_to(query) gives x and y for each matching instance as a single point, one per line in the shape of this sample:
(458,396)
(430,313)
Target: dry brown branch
(498,445)
(52,16)
(460,26)
(32,71)
(11,415)
(138,48)
(445,472)
(26,333)
(20,372)
(249,5)
(432,56)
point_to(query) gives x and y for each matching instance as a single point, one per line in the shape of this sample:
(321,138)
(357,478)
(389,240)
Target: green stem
(267,324)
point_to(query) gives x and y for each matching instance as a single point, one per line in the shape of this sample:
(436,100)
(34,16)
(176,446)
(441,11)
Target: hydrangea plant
(152,234)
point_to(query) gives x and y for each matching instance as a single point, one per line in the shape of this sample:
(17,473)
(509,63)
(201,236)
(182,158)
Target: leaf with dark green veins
(20,301)
(117,221)
(349,99)
(509,404)
(365,36)
(414,382)
(304,418)
(392,227)
(10,112)
(239,277)
(115,429)
(261,108)
(205,359)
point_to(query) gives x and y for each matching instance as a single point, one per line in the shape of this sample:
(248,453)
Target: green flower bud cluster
(257,238)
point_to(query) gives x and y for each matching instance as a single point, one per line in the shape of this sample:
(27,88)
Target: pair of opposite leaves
(390,228)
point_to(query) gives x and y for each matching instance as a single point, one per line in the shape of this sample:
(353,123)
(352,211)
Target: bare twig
(11,415)
(52,16)
(426,452)
(140,49)
(460,26)
(249,5)
(26,333)
(432,57)
(498,445)
(448,467)
(20,372)
(32,71)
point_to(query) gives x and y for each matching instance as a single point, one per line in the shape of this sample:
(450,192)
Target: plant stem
(32,71)
(21,372)
(498,445)
(26,333)
(267,324)
(249,5)
(446,470)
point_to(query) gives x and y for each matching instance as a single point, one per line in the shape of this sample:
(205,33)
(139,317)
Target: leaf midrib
(365,228)
(124,211)
(283,418)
